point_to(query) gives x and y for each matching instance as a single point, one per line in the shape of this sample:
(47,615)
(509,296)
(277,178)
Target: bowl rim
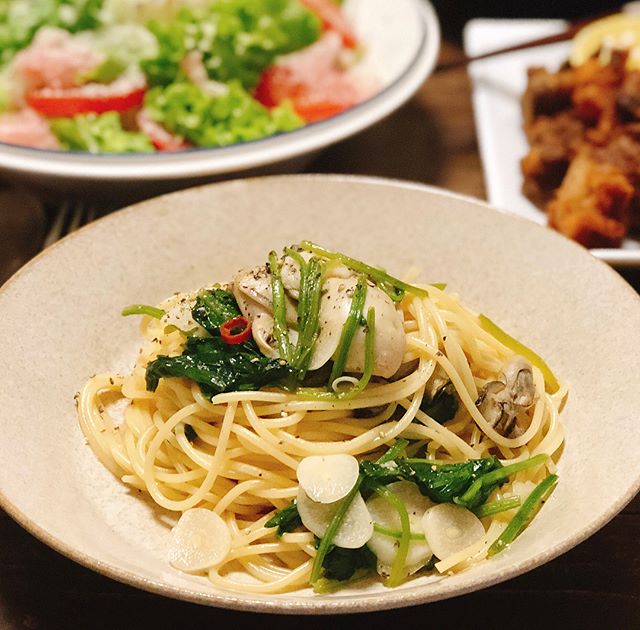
(317,606)
(203,161)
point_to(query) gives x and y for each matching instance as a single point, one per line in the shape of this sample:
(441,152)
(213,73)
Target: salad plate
(400,41)
(498,85)
(202,235)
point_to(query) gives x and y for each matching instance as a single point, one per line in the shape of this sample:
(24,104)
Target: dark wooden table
(432,140)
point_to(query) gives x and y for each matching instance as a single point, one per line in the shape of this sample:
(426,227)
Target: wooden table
(430,140)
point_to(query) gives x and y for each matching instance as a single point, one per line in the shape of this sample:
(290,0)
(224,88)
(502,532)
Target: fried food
(592,205)
(583,166)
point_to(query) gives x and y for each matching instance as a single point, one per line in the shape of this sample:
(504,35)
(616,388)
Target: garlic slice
(178,312)
(389,340)
(385,547)
(328,478)
(200,540)
(451,528)
(356,528)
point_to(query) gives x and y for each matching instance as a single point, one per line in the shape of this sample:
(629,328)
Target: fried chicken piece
(592,206)
(583,127)
(623,151)
(594,96)
(628,98)
(554,141)
(547,93)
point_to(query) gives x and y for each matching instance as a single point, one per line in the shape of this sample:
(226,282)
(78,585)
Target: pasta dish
(316,421)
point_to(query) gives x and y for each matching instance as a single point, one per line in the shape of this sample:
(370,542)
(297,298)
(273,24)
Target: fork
(69,216)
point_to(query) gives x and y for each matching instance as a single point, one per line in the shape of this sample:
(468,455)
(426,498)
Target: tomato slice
(313,111)
(313,100)
(63,103)
(162,139)
(333,19)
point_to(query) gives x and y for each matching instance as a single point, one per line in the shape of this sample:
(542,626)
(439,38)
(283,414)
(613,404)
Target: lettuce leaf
(21,19)
(106,72)
(238,39)
(99,134)
(208,120)
(123,45)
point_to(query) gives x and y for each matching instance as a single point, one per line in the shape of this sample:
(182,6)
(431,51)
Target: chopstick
(564,36)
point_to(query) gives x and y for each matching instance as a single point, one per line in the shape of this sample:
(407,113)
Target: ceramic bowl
(402,39)
(61,324)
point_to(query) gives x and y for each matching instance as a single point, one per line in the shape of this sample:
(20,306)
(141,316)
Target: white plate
(61,323)
(498,84)
(402,39)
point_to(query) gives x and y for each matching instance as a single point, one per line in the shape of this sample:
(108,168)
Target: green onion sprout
(280,329)
(507,340)
(525,514)
(143,309)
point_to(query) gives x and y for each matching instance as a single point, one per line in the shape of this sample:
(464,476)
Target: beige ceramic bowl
(61,323)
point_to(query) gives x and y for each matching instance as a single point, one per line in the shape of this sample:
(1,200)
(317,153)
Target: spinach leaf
(444,404)
(374,473)
(341,564)
(397,450)
(218,367)
(213,308)
(443,483)
(286,520)
(479,491)
(447,482)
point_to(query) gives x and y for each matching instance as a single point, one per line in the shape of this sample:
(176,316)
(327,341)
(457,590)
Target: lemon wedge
(619,31)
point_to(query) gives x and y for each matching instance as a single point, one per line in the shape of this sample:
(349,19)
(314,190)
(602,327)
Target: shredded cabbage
(124,45)
(141,11)
(217,120)
(237,38)
(99,134)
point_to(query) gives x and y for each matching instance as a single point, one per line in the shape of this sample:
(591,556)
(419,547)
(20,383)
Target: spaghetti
(236,453)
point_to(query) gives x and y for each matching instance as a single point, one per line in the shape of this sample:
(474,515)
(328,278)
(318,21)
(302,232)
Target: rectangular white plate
(498,84)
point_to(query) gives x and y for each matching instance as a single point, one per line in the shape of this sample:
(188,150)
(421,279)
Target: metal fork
(69,216)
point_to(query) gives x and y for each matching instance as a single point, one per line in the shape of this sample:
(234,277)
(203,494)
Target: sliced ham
(54,60)
(315,80)
(28,129)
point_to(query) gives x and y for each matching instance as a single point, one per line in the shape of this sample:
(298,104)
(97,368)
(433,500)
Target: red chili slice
(236,330)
